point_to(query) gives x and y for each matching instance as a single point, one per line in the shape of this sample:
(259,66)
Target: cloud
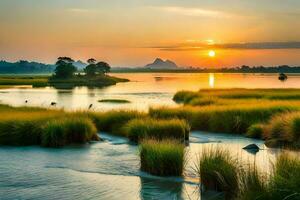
(196,12)
(192,46)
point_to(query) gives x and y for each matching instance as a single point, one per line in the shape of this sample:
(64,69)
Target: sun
(211,53)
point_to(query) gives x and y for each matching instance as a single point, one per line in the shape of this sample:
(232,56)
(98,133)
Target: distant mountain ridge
(160,64)
(80,65)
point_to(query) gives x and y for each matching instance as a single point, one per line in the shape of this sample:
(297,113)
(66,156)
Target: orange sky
(135,32)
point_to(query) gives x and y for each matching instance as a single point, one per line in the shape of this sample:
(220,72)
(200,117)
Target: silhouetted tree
(91,61)
(100,68)
(64,67)
(103,67)
(91,69)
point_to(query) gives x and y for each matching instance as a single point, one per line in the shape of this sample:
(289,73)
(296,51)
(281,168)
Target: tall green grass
(61,132)
(285,180)
(187,97)
(114,121)
(219,171)
(284,130)
(162,158)
(139,129)
(225,119)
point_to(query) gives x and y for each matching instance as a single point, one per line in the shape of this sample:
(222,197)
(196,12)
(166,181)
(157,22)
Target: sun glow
(211,53)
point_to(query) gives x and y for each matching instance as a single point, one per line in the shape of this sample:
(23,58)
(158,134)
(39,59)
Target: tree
(91,69)
(103,67)
(64,67)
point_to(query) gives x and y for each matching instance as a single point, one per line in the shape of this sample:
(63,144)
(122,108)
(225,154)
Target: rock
(251,147)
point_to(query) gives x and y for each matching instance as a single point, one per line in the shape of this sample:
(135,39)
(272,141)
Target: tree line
(66,69)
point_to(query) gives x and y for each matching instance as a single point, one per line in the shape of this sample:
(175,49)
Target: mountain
(23,67)
(80,65)
(160,64)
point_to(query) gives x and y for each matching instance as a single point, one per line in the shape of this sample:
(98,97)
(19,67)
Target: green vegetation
(283,130)
(51,128)
(162,158)
(114,121)
(60,132)
(253,185)
(139,129)
(113,101)
(64,76)
(187,97)
(219,171)
(35,81)
(256,131)
(224,118)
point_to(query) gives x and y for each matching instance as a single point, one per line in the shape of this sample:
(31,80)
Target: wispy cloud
(196,12)
(192,46)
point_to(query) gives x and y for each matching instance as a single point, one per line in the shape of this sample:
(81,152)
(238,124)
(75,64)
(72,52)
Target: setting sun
(211,53)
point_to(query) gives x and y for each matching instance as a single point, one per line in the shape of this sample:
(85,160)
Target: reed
(219,171)
(162,158)
(139,129)
(284,183)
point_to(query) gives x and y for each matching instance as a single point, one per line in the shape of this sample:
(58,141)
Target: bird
(91,105)
(26,101)
(53,103)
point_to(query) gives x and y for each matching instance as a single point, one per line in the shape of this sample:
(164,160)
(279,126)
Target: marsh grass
(283,130)
(285,181)
(64,131)
(162,158)
(114,101)
(36,81)
(256,131)
(114,121)
(219,171)
(253,184)
(225,119)
(139,129)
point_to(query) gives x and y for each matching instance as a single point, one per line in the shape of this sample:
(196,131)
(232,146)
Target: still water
(109,169)
(144,90)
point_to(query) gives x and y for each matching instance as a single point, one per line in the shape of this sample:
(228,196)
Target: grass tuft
(219,171)
(162,158)
(70,130)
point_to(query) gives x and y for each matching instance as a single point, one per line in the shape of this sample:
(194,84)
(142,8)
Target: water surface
(144,90)
(107,170)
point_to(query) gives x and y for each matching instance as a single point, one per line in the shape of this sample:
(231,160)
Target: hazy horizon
(135,32)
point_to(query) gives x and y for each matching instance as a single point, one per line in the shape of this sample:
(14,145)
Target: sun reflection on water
(211,80)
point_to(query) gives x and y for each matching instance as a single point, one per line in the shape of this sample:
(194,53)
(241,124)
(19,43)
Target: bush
(219,171)
(139,129)
(162,158)
(61,132)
